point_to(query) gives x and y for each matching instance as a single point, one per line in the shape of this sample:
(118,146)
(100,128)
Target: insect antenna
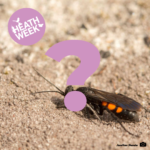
(49,91)
(60,91)
(120,122)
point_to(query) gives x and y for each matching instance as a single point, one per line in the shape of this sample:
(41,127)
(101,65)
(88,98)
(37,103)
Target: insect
(118,105)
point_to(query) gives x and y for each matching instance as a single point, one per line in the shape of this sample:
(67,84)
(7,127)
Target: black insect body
(120,106)
(123,107)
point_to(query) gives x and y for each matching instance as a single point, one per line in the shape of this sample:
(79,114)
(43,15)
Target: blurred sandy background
(116,27)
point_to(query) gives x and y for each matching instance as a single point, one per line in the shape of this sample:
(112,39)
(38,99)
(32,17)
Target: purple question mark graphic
(90,59)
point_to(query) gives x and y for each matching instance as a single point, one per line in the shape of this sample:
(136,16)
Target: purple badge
(26,26)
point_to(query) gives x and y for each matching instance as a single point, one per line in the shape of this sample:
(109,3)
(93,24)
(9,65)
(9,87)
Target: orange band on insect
(104,103)
(119,110)
(111,106)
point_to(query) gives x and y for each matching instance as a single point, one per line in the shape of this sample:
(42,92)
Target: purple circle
(75,101)
(26,26)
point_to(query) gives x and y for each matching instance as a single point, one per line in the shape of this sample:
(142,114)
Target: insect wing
(95,95)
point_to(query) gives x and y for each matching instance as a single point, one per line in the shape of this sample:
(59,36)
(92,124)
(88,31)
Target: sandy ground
(33,122)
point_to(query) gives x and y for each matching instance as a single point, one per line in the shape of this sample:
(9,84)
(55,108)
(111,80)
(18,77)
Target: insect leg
(95,113)
(96,108)
(101,110)
(116,118)
(87,112)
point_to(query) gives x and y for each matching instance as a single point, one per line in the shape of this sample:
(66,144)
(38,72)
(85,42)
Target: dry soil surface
(30,121)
